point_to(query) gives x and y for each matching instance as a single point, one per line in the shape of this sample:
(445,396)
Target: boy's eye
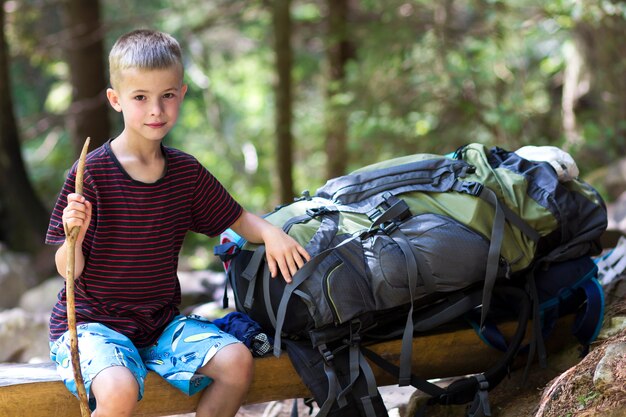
(168,95)
(140,97)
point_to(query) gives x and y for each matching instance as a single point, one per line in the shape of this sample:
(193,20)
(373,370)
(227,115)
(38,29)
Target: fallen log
(35,390)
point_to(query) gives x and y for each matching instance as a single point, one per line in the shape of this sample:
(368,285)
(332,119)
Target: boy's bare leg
(231,370)
(116,391)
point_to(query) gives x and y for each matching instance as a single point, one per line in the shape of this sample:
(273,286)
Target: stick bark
(69,292)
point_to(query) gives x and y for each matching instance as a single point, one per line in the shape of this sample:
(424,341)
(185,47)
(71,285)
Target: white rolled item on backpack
(561,161)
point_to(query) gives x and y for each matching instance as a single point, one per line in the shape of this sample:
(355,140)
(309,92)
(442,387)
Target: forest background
(286,94)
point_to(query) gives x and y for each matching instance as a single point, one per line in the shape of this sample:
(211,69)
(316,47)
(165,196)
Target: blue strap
(589,320)
(226,251)
(490,335)
(586,327)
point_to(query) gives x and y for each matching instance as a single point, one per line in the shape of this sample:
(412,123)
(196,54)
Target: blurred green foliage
(427,76)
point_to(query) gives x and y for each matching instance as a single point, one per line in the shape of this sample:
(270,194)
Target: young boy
(140,198)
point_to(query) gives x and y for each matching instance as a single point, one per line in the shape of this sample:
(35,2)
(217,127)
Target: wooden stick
(69,292)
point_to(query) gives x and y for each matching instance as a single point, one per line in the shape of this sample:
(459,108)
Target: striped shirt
(131,248)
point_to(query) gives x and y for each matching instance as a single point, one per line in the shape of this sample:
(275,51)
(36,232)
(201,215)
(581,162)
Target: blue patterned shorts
(186,344)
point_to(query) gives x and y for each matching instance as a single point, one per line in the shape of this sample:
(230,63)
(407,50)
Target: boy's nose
(156,109)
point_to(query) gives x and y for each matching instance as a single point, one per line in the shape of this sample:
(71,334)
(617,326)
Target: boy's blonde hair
(143,49)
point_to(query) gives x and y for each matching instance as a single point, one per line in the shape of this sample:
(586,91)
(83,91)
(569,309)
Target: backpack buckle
(327,354)
(389,227)
(470,187)
(374,213)
(305,196)
(317,211)
(355,332)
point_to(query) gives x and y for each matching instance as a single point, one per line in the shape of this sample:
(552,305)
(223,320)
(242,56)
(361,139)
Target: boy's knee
(116,391)
(242,359)
(233,362)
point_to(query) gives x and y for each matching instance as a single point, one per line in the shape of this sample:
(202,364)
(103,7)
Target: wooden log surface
(36,390)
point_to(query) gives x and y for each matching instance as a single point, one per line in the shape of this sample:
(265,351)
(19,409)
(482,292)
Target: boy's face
(149,101)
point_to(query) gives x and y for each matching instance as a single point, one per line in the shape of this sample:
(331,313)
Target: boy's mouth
(156,125)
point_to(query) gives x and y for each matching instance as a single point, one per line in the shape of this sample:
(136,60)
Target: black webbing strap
(250,274)
(353,366)
(458,391)
(388,222)
(307,269)
(473,388)
(476,189)
(398,210)
(294,408)
(310,214)
(333,383)
(328,224)
(324,234)
(358,365)
(502,213)
(372,390)
(404,377)
(417,382)
(536,338)
(480,406)
(298,278)
(495,245)
(520,223)
(495,240)
(452,310)
(266,295)
(296,220)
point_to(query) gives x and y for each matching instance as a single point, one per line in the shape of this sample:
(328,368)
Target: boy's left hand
(284,254)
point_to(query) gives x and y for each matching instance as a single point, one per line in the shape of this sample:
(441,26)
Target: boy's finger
(271,263)
(285,270)
(75,197)
(300,261)
(293,267)
(304,253)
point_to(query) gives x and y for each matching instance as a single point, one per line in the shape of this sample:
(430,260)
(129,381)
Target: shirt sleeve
(214,209)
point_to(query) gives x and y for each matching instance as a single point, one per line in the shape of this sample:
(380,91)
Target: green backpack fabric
(391,239)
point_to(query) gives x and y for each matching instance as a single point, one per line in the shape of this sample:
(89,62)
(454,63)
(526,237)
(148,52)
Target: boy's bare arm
(77,213)
(283,253)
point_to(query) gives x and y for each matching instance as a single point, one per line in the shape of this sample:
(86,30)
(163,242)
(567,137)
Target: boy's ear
(114,99)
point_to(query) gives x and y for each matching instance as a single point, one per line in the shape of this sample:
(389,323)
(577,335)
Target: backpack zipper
(326,288)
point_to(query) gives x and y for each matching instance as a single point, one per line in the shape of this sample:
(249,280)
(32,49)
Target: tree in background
(23,219)
(595,80)
(88,115)
(338,53)
(281,13)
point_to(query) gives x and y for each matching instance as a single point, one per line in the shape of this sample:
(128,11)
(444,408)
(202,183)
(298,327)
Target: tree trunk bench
(35,390)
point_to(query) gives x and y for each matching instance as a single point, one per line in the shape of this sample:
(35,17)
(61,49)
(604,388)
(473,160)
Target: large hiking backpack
(420,240)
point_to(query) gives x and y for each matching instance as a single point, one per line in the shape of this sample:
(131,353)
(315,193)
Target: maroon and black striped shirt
(131,248)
